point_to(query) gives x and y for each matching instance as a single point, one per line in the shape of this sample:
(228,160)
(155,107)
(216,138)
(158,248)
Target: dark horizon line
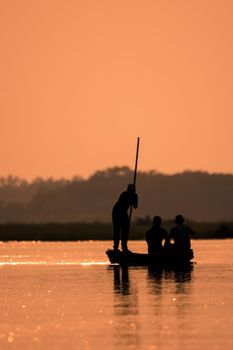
(96,172)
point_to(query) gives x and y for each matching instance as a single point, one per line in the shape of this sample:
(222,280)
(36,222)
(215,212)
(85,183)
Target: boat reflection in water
(144,296)
(180,275)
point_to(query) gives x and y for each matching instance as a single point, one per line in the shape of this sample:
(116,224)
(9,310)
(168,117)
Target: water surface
(66,295)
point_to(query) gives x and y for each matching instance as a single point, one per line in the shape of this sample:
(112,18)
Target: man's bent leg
(125,234)
(116,235)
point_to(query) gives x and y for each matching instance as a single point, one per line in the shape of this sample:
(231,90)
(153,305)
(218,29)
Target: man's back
(181,234)
(154,238)
(125,200)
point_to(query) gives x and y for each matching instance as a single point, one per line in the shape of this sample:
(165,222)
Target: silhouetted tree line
(198,196)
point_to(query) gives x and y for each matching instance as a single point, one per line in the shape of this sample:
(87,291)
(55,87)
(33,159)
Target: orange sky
(80,80)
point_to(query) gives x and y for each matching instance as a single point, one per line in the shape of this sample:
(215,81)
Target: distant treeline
(101,231)
(199,196)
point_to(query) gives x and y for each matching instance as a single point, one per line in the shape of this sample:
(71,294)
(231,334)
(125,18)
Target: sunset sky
(80,80)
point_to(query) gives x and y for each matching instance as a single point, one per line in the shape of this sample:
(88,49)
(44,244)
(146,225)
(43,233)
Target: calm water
(65,295)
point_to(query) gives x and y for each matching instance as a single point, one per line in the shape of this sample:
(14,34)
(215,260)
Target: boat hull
(171,258)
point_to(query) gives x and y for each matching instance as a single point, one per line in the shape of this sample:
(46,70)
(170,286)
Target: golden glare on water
(56,295)
(63,263)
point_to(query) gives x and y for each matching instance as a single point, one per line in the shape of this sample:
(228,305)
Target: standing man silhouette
(120,217)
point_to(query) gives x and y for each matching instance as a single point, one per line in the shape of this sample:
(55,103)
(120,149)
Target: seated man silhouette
(120,217)
(180,234)
(155,236)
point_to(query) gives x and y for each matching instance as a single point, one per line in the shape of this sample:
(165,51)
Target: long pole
(136,163)
(134,178)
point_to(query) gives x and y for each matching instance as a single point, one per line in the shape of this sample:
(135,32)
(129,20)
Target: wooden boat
(168,257)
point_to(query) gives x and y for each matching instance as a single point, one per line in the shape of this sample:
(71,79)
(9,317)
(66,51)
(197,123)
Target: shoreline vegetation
(81,231)
(199,196)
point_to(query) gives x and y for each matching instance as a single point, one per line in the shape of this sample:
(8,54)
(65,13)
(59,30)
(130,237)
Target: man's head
(179,219)
(131,188)
(157,220)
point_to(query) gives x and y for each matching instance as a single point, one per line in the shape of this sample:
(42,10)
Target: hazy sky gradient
(80,80)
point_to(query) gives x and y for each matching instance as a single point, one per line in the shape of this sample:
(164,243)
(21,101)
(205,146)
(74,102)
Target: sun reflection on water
(55,263)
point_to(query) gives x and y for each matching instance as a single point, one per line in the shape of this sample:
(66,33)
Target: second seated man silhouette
(180,234)
(120,217)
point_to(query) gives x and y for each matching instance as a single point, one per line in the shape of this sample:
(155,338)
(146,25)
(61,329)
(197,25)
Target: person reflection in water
(120,217)
(180,234)
(121,283)
(126,311)
(155,236)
